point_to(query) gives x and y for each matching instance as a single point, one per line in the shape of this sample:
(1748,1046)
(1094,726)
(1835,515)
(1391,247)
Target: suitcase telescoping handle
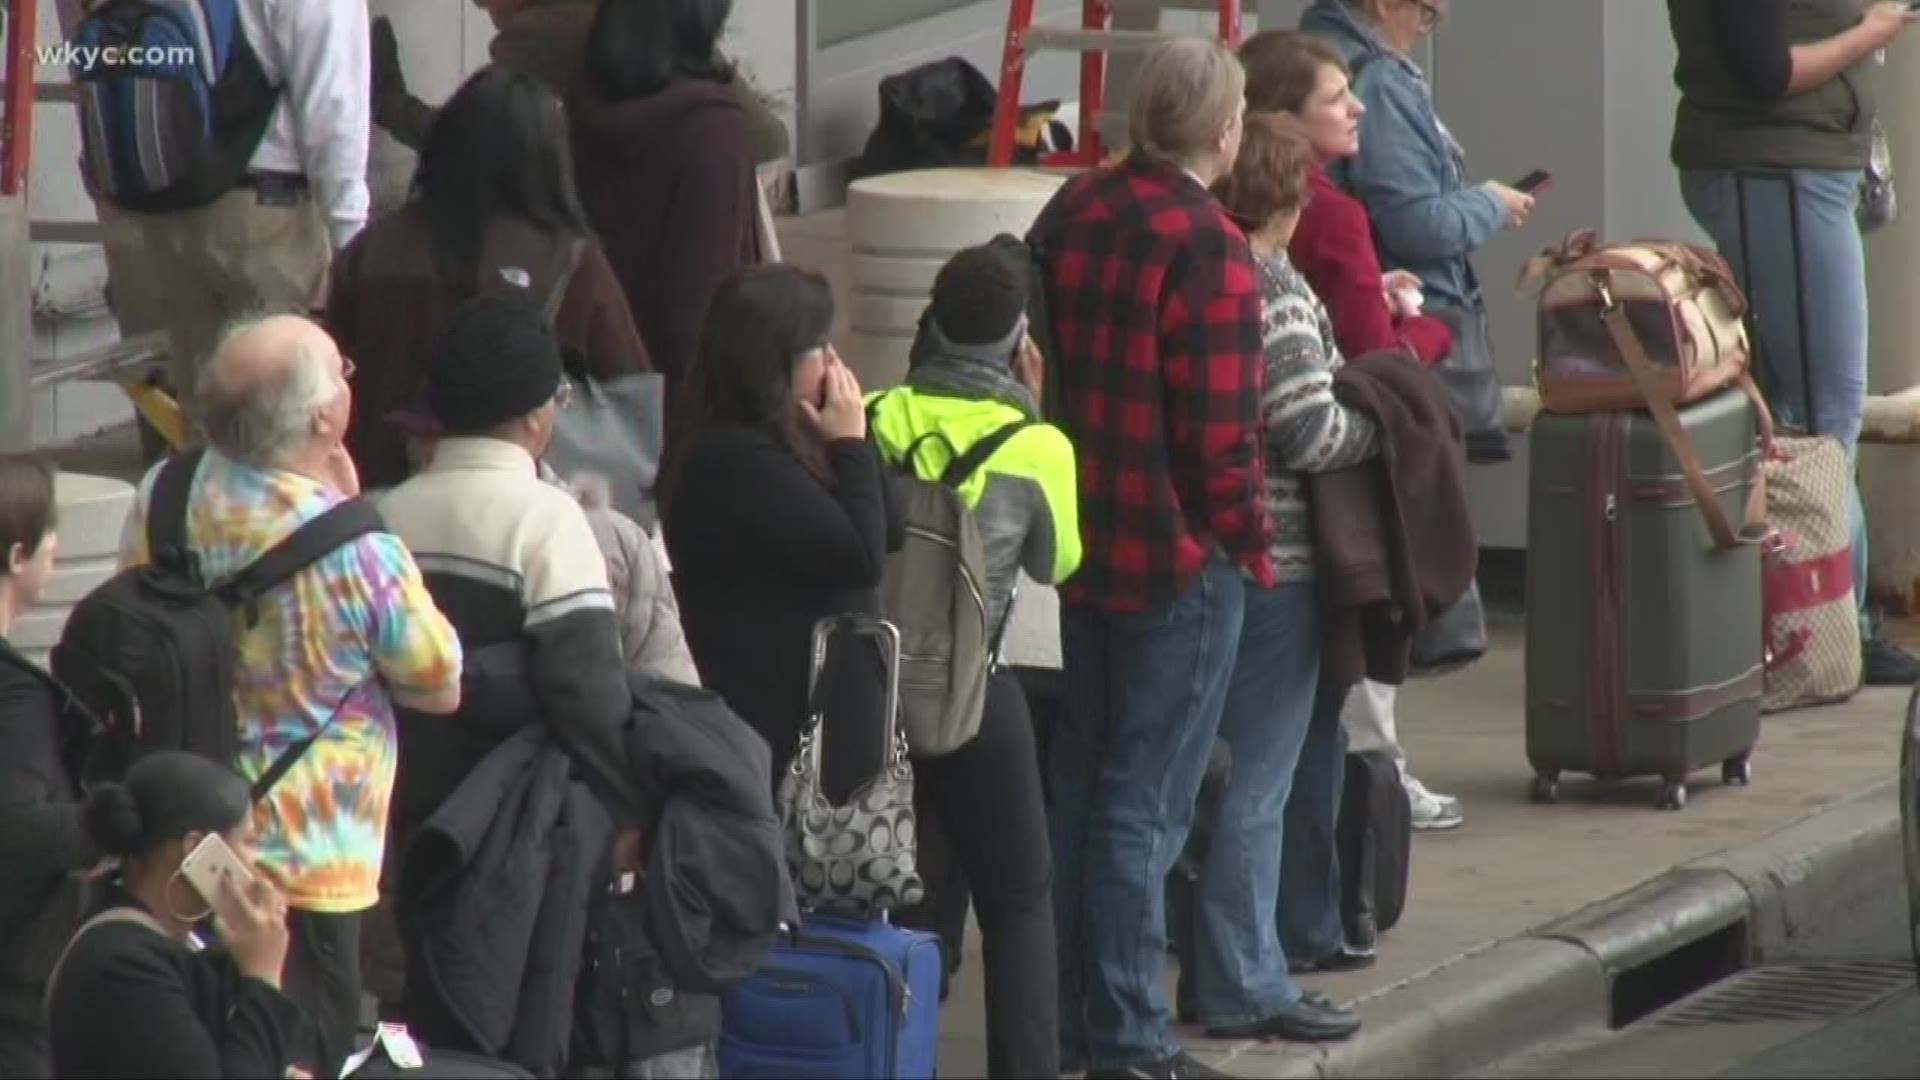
(887,636)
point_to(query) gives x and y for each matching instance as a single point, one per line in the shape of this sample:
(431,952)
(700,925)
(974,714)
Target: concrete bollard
(902,228)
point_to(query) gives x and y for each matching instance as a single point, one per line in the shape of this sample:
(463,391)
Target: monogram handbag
(858,857)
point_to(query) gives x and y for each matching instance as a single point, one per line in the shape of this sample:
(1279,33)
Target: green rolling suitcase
(1644,641)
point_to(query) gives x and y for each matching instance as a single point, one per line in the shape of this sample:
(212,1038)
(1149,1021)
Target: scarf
(947,368)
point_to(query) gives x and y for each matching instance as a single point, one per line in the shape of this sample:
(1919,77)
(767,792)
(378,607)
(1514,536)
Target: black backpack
(151,652)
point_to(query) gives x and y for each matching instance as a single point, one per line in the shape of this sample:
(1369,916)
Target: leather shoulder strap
(1667,420)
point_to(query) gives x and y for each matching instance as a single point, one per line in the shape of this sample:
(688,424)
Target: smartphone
(1539,180)
(209,865)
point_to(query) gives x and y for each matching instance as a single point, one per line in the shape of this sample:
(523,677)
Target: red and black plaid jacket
(1154,304)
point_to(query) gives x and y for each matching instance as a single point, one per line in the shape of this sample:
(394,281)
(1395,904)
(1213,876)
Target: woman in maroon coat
(1291,72)
(664,159)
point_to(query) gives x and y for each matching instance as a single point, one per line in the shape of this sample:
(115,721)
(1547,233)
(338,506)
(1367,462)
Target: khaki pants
(190,272)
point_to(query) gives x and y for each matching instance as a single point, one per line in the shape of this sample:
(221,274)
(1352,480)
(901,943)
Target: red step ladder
(16,129)
(1093,40)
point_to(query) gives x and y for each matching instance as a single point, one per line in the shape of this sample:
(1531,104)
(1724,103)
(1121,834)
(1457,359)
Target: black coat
(717,885)
(762,551)
(42,839)
(132,1002)
(494,902)
(1393,538)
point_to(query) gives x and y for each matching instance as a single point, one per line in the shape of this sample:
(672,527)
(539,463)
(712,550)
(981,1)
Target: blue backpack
(173,101)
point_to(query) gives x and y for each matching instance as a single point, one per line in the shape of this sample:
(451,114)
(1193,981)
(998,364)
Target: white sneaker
(1433,812)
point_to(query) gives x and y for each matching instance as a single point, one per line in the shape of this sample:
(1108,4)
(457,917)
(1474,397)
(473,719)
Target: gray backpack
(934,589)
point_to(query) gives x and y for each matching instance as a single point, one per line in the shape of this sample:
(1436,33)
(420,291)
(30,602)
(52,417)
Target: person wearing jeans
(1310,922)
(1242,984)
(1155,319)
(1772,135)
(1306,77)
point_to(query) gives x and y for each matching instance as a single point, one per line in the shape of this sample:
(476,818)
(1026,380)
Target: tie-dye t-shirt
(337,637)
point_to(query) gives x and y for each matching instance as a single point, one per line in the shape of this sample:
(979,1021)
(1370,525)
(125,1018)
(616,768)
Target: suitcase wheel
(1546,788)
(1737,770)
(1673,795)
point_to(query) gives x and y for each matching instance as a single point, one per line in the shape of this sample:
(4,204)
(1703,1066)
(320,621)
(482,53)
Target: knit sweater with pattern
(1308,431)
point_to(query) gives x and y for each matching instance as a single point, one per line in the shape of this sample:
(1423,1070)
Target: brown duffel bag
(1680,300)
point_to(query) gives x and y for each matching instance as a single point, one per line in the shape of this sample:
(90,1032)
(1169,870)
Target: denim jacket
(1410,172)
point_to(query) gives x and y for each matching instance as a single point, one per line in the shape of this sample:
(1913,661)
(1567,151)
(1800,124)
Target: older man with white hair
(324,657)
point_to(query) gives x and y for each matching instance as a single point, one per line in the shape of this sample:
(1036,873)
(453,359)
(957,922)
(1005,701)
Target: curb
(1538,987)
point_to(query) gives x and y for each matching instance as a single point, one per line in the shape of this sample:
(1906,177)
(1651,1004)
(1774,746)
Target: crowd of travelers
(507,709)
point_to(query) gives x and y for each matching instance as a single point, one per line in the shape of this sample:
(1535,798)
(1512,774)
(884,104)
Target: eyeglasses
(346,368)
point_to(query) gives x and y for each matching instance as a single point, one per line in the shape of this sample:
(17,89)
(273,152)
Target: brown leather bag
(1680,300)
(1656,398)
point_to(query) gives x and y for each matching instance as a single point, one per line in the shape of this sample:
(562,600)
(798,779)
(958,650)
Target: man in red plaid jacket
(1154,307)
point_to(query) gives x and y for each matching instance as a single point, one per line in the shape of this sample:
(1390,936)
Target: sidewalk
(1515,867)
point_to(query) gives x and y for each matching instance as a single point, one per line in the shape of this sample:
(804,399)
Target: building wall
(1514,105)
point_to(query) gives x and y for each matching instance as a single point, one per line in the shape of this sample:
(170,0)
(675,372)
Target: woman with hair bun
(140,992)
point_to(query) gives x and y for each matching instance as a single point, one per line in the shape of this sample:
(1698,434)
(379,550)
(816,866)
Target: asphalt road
(1878,1038)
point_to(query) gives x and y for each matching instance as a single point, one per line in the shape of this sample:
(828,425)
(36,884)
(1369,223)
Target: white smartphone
(210,864)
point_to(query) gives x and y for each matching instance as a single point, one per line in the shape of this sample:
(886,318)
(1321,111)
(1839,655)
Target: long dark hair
(761,321)
(639,47)
(498,148)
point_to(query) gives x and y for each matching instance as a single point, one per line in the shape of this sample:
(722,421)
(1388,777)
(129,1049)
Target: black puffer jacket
(494,902)
(717,884)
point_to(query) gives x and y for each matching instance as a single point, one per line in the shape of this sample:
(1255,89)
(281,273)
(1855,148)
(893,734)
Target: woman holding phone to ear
(141,990)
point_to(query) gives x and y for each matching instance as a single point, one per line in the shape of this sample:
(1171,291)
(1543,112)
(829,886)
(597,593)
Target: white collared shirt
(319,52)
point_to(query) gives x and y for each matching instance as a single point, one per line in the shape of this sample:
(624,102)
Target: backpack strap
(968,463)
(291,756)
(167,506)
(339,526)
(565,263)
(112,915)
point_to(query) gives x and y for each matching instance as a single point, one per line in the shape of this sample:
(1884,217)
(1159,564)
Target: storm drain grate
(1792,992)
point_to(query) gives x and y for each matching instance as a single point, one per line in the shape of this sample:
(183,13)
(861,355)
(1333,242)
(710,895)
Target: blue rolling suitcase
(841,998)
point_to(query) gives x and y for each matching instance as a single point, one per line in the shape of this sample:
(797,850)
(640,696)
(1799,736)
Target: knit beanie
(493,361)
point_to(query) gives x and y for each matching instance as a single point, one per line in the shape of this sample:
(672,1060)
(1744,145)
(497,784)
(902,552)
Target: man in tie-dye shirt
(343,641)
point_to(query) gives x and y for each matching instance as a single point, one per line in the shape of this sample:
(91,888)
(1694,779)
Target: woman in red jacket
(1291,72)
(1298,73)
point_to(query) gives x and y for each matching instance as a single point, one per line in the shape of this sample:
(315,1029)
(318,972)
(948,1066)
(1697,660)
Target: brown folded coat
(1393,538)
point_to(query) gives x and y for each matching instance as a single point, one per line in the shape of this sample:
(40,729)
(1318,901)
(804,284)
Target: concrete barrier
(902,228)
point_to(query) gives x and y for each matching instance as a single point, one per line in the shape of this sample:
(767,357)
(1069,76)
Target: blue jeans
(1240,973)
(1827,357)
(1310,925)
(1142,696)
